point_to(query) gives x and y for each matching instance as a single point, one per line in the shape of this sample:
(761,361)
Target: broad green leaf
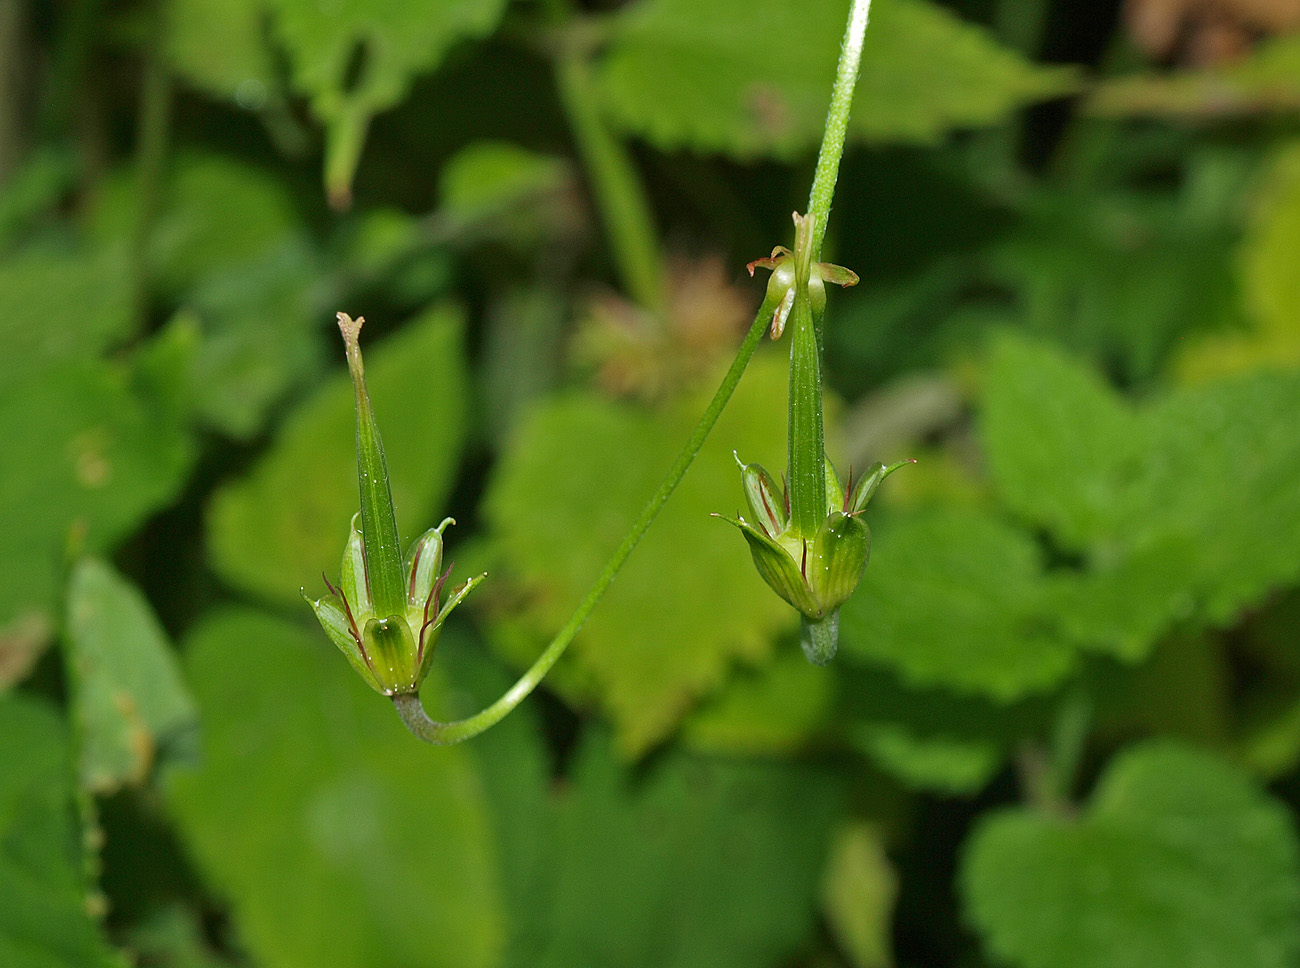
(1267,81)
(955,598)
(336,837)
(1224,459)
(516,770)
(227,244)
(86,459)
(933,740)
(1178,860)
(486,177)
(214,213)
(1270,288)
(220,46)
(1180,508)
(354,58)
(276,530)
(777,709)
(60,306)
(951,764)
(130,702)
(260,337)
(753,77)
(43,920)
(689,863)
(858,895)
(572,478)
(1060,442)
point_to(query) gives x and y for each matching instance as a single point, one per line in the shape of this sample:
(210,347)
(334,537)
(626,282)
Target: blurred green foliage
(1064,726)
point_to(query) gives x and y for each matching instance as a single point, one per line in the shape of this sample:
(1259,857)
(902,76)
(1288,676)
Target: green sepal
(840,276)
(834,489)
(776,567)
(424,565)
(391,648)
(865,489)
(333,617)
(840,556)
(429,636)
(766,501)
(353,582)
(820,638)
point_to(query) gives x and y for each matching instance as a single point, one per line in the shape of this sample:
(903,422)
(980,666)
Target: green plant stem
(837,123)
(443,734)
(614,182)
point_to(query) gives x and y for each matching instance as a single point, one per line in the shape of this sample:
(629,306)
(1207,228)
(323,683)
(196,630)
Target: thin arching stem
(441,734)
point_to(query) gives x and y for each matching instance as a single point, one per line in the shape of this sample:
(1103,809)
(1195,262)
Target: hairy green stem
(442,734)
(614,182)
(837,123)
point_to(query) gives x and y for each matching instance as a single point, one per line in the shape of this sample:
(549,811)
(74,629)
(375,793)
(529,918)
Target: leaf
(336,837)
(955,598)
(227,244)
(777,709)
(951,765)
(43,920)
(691,863)
(129,699)
(219,46)
(1060,442)
(934,740)
(215,214)
(1181,508)
(60,306)
(858,893)
(486,177)
(260,339)
(752,77)
(85,457)
(570,481)
(284,524)
(1178,860)
(354,58)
